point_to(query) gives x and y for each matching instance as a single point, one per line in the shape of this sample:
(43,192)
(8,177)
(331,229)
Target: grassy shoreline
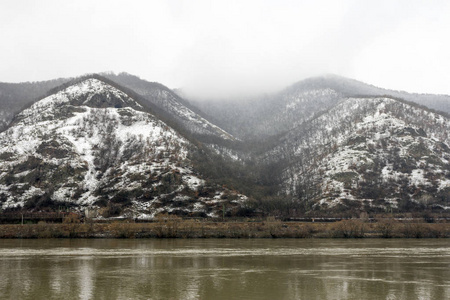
(177,228)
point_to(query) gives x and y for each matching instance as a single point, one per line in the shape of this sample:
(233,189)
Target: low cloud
(222,49)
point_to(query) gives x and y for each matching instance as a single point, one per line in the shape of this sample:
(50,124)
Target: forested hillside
(326,145)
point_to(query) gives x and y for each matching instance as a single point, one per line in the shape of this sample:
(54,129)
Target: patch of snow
(193,182)
(417,178)
(444,184)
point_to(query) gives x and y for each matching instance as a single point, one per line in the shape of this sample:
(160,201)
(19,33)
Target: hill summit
(91,144)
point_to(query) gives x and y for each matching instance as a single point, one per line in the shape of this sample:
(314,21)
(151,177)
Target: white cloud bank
(229,48)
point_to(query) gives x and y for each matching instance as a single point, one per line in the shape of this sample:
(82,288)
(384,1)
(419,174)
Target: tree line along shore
(175,227)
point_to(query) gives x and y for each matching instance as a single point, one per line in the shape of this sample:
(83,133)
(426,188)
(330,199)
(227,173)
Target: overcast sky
(227,48)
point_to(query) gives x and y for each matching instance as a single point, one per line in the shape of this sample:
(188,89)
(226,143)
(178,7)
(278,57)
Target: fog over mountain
(129,147)
(278,112)
(225,49)
(207,108)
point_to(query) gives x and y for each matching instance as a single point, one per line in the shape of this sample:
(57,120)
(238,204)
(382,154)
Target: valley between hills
(117,146)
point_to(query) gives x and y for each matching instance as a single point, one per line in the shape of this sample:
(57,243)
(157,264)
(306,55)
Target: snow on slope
(83,131)
(168,101)
(90,92)
(88,145)
(194,122)
(368,149)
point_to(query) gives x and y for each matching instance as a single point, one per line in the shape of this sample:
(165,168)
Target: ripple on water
(8,253)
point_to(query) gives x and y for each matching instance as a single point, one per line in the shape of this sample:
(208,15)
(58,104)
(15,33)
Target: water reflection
(85,274)
(224,269)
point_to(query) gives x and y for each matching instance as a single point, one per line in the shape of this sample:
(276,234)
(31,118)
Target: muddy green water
(225,269)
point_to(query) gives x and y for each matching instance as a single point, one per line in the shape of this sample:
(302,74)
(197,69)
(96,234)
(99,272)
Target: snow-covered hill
(161,97)
(128,146)
(14,96)
(277,113)
(368,153)
(91,144)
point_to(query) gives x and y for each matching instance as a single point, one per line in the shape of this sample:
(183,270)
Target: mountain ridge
(140,149)
(90,144)
(281,111)
(332,158)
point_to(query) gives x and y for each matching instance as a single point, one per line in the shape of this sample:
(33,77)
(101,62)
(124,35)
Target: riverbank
(178,228)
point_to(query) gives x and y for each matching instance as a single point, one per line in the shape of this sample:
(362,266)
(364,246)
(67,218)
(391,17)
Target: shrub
(386,227)
(348,229)
(71,219)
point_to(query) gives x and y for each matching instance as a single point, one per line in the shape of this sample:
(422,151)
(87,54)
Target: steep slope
(156,95)
(90,144)
(277,113)
(367,154)
(145,150)
(268,115)
(14,96)
(351,88)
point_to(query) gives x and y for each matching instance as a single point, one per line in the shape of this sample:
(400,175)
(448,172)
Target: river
(225,269)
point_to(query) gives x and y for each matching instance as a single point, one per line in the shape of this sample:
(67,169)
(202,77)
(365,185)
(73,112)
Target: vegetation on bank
(175,227)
